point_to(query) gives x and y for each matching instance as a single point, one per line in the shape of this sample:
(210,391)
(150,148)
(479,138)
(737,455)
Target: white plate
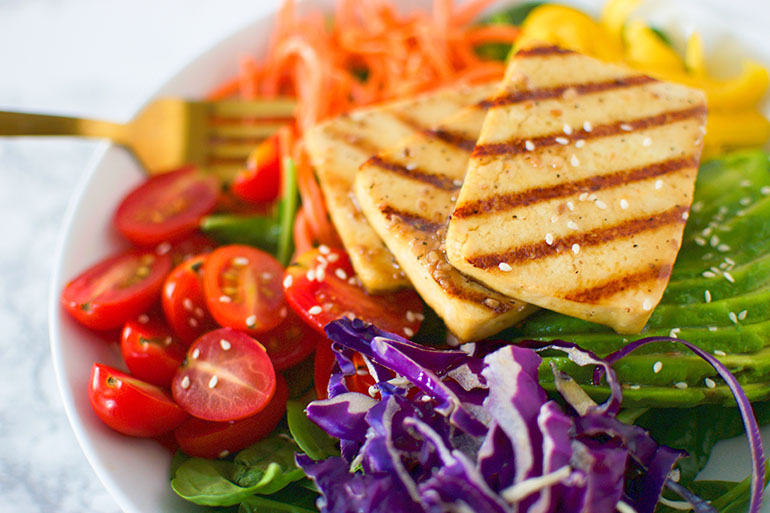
(135,471)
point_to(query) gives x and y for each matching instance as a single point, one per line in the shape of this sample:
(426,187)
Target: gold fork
(169,132)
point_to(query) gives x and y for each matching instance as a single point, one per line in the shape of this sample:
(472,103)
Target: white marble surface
(98,58)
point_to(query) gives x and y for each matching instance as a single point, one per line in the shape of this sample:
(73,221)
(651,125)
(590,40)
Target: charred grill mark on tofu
(599,236)
(438,181)
(416,221)
(542,51)
(518,146)
(456,286)
(503,202)
(548,93)
(454,139)
(615,285)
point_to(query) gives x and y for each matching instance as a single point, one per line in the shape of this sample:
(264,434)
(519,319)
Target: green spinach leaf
(292,499)
(311,439)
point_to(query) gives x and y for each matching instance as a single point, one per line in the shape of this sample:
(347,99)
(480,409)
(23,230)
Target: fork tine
(276,108)
(231,150)
(242,130)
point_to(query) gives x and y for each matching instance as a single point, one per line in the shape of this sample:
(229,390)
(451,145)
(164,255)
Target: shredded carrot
(303,239)
(368,53)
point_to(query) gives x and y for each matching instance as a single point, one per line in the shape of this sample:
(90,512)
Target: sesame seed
(562,140)
(410,316)
(601,205)
(576,248)
(708,274)
(742,315)
(592,197)
(697,206)
(729,260)
(657,366)
(587,126)
(549,238)
(728,277)
(719,352)
(707,231)
(580,143)
(310,275)
(680,385)
(420,317)
(647,305)
(283,312)
(187,303)
(223,454)
(213,381)
(567,129)
(733,317)
(658,184)
(709,383)
(714,241)
(626,127)
(673,333)
(143,319)
(623,203)
(267,276)
(634,387)
(186,382)
(723,265)
(199,312)
(240,261)
(225,299)
(765,190)
(570,205)
(196,353)
(554,218)
(411,166)
(712,328)
(333,257)
(745,183)
(572,225)
(251,321)
(707,256)
(573,160)
(707,296)
(529,145)
(287,281)
(315,310)
(341,274)
(163,248)
(324,249)
(685,215)
(225,344)
(700,241)
(320,273)
(503,266)
(745,201)
(192,321)
(409,332)
(723,248)
(647,142)
(583,196)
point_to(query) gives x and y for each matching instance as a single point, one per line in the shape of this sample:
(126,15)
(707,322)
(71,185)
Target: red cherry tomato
(206,439)
(227,375)
(290,343)
(322,369)
(167,206)
(150,351)
(195,244)
(321,287)
(117,289)
(243,288)
(131,406)
(261,180)
(184,303)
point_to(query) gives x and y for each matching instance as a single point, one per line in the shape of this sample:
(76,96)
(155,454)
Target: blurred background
(99,58)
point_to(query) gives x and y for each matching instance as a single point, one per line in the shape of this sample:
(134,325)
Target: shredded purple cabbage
(453,432)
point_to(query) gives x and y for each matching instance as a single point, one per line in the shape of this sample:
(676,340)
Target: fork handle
(21,123)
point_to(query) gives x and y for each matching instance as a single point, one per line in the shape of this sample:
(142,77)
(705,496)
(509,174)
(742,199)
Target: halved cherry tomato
(243,288)
(261,180)
(289,343)
(131,406)
(321,287)
(207,439)
(322,369)
(167,206)
(184,303)
(227,375)
(117,289)
(195,244)
(150,351)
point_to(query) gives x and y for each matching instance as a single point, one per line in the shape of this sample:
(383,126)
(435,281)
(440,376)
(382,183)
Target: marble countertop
(98,58)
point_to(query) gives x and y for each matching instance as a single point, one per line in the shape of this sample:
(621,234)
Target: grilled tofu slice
(339,146)
(579,187)
(407,194)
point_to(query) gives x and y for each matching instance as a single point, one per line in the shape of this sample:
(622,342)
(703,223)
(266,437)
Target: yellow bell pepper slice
(645,49)
(694,60)
(615,13)
(729,130)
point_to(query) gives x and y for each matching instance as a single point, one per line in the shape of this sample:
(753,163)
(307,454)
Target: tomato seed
(213,381)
